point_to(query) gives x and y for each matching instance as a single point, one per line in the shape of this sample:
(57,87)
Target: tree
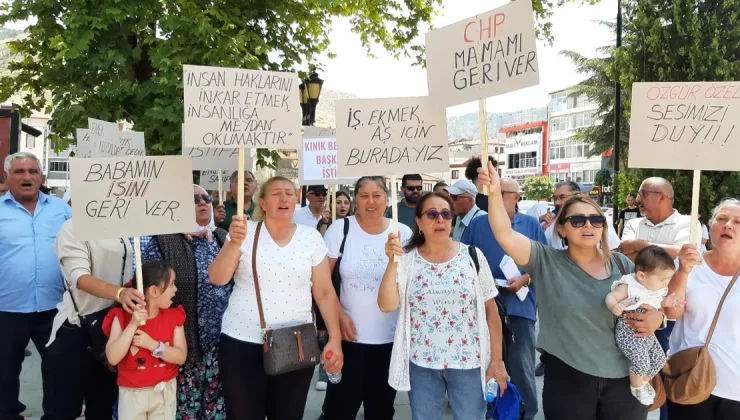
(538,187)
(603,177)
(122,60)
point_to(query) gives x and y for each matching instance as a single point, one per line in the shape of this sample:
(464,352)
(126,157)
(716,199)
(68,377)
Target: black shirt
(629,214)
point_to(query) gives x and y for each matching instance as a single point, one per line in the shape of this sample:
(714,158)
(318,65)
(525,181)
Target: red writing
(483,26)
(326,159)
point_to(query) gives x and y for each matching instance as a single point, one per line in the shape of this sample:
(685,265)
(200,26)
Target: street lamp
(313,89)
(303,92)
(617,115)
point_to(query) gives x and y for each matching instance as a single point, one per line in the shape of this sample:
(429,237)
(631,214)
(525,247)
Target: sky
(573,26)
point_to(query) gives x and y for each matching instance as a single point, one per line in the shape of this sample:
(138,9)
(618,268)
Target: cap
(462,186)
(316,188)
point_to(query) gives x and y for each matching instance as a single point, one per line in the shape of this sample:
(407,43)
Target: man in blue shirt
(520,361)
(31,283)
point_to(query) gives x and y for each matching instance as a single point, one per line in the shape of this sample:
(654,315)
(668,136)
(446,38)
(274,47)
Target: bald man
(520,360)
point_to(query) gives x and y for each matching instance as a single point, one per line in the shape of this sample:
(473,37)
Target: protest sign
(209,180)
(310,131)
(485,55)
(108,140)
(390,136)
(84,147)
(238,108)
(119,197)
(685,125)
(206,159)
(318,162)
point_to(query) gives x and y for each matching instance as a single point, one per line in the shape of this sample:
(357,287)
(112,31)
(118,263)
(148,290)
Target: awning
(30,130)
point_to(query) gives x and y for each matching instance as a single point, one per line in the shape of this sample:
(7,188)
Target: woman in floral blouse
(199,390)
(448,337)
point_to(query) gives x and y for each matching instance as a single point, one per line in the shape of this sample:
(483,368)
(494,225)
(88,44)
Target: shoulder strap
(263,325)
(344,238)
(619,264)
(719,308)
(220,236)
(474,256)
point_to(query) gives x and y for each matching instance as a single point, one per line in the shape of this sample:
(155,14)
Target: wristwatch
(159,351)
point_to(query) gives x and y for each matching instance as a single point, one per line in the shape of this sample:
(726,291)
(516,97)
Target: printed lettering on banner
(485,55)
(239,108)
(391,136)
(107,140)
(685,125)
(119,197)
(318,162)
(209,180)
(84,146)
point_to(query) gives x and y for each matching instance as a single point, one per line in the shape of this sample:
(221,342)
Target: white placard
(314,132)
(84,147)
(120,197)
(107,140)
(485,55)
(205,159)
(238,108)
(391,136)
(318,162)
(209,180)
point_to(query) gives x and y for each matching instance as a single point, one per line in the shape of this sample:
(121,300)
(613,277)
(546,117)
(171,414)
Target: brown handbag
(690,376)
(656,381)
(285,349)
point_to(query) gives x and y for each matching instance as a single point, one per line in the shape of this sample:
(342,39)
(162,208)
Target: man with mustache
(411,188)
(31,282)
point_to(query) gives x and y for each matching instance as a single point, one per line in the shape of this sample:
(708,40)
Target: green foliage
(538,187)
(603,177)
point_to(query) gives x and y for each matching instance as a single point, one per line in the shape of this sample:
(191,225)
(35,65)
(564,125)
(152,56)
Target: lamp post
(310,91)
(617,117)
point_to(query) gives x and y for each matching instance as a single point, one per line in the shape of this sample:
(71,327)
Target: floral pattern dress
(444,322)
(199,390)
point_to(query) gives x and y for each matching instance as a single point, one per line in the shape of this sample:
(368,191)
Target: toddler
(654,268)
(148,346)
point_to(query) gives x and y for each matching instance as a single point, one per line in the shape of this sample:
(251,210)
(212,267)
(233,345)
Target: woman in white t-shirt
(367,332)
(702,278)
(449,335)
(291,268)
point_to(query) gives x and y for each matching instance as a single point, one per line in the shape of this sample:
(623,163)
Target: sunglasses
(319,193)
(417,188)
(203,197)
(434,214)
(579,221)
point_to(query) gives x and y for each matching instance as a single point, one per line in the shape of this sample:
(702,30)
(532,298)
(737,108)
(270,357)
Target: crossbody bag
(285,349)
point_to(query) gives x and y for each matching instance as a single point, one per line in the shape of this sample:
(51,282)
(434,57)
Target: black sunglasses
(434,214)
(319,193)
(415,188)
(579,220)
(204,197)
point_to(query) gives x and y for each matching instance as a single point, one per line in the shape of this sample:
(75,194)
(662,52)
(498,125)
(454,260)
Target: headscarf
(203,231)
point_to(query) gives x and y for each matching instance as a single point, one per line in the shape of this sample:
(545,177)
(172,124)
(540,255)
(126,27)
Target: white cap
(67,195)
(462,186)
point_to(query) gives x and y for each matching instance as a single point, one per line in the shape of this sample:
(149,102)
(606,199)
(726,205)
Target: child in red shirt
(147,346)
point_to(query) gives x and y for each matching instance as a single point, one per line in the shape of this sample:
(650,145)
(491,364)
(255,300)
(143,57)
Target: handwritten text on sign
(209,180)
(120,197)
(318,162)
(686,125)
(486,55)
(237,108)
(205,158)
(390,136)
(108,140)
(84,146)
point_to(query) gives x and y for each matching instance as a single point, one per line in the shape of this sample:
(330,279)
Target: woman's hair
(562,216)
(725,201)
(417,238)
(259,214)
(376,179)
(346,195)
(156,273)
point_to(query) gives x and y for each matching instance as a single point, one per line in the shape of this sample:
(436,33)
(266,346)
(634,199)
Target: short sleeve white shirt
(704,289)
(361,269)
(675,230)
(285,283)
(303,216)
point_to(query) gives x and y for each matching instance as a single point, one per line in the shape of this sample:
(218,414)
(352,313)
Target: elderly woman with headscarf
(198,384)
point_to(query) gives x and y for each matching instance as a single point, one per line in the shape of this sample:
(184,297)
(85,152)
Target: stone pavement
(31,393)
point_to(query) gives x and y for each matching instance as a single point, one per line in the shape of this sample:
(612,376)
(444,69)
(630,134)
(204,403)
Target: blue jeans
(663,337)
(428,388)
(521,361)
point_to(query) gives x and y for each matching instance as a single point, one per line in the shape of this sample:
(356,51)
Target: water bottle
(334,378)
(491,390)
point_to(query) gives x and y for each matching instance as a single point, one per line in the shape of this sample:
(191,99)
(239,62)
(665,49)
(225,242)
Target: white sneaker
(321,386)
(644,393)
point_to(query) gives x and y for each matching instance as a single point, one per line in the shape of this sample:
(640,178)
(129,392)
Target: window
(589,175)
(30,141)
(58,166)
(456,174)
(522,160)
(558,101)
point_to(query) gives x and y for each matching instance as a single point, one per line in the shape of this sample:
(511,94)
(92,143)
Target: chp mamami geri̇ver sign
(685,125)
(390,136)
(238,108)
(485,55)
(120,197)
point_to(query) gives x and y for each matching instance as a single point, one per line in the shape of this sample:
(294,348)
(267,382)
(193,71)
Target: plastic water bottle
(491,390)
(334,378)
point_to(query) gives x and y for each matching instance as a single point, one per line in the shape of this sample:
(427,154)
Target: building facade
(525,147)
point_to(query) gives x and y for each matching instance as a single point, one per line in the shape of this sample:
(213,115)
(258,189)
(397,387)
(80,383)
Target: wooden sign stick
(220,188)
(483,120)
(695,206)
(240,192)
(333,202)
(394,209)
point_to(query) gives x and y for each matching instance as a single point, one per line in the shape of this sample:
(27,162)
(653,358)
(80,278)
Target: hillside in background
(5,36)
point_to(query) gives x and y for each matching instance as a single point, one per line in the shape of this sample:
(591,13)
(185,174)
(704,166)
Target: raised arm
(514,244)
(687,259)
(222,269)
(388,297)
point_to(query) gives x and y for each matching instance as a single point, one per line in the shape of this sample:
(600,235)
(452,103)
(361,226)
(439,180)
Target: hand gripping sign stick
(394,210)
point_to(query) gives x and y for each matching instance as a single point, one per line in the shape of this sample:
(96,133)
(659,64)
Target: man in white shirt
(463,194)
(314,212)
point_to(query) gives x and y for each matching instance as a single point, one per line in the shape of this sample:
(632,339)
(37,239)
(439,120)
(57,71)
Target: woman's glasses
(434,214)
(203,197)
(579,220)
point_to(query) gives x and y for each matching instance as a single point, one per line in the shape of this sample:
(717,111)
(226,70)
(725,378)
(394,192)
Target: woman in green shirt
(586,375)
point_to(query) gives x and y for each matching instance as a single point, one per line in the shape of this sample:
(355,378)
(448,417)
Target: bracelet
(118,294)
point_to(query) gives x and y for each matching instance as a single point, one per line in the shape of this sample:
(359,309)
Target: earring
(565,241)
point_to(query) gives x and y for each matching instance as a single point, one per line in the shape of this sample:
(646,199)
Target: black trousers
(569,394)
(249,394)
(715,408)
(77,376)
(18,329)
(364,380)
